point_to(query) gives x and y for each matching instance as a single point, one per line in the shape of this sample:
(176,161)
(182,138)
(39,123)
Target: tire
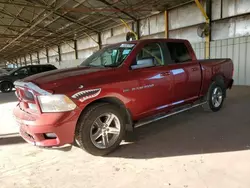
(94,122)
(215,96)
(6,87)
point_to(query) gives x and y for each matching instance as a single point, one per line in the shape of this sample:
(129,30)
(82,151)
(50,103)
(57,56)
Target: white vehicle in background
(3,71)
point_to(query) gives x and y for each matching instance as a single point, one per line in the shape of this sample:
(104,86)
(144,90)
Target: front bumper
(33,127)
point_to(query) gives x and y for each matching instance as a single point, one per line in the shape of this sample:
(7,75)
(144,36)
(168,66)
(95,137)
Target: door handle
(167,73)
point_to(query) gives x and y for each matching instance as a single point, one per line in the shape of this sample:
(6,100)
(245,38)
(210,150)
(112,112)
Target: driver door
(21,73)
(154,93)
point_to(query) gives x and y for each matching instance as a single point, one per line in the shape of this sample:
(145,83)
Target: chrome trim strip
(32,86)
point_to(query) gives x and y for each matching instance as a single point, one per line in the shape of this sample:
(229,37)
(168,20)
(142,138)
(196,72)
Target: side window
(178,52)
(45,68)
(152,50)
(23,71)
(34,70)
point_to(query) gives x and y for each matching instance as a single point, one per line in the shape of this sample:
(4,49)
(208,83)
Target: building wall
(230,24)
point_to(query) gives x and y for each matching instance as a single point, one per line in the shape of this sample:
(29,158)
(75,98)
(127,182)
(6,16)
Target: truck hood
(69,77)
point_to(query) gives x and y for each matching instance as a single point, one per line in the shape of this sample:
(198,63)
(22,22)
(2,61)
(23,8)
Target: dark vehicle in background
(7,79)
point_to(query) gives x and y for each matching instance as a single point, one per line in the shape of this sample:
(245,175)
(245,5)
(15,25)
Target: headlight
(56,103)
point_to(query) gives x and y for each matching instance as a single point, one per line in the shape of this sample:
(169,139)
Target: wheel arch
(219,78)
(2,81)
(117,102)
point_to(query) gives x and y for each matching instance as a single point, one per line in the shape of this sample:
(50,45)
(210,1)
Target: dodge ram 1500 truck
(116,89)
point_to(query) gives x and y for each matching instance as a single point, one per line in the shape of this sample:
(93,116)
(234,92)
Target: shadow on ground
(195,131)
(7,97)
(192,132)
(9,140)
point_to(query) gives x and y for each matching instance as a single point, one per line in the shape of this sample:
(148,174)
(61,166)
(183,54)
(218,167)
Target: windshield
(111,56)
(12,71)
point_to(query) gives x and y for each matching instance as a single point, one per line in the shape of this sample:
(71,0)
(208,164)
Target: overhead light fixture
(155,10)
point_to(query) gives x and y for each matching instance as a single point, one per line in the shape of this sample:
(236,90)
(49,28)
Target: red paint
(168,86)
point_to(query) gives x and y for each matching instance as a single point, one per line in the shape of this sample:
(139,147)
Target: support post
(204,13)
(59,53)
(111,32)
(47,55)
(208,38)
(75,48)
(17,62)
(20,59)
(99,41)
(138,29)
(38,59)
(31,59)
(166,23)
(25,61)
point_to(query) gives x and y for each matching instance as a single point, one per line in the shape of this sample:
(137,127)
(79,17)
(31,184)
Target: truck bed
(212,68)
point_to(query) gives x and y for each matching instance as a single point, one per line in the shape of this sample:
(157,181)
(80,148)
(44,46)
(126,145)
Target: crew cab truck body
(120,87)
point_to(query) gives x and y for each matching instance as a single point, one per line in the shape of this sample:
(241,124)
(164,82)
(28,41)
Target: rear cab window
(178,52)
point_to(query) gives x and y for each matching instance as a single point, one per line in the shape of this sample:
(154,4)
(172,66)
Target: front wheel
(6,87)
(100,129)
(215,96)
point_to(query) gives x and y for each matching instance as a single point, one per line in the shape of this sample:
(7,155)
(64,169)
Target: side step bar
(139,124)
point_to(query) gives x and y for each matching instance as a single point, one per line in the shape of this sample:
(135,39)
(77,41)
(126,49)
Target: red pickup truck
(116,89)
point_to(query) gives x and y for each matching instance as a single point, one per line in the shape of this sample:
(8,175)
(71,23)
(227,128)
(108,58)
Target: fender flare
(116,101)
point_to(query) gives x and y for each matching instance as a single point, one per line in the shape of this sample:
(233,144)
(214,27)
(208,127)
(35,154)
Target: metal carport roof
(29,25)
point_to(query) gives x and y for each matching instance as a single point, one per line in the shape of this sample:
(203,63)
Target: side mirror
(143,63)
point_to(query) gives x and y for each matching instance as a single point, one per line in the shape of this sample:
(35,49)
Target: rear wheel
(101,129)
(6,87)
(215,96)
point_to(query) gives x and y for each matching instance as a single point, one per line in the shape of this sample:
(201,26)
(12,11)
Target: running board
(139,124)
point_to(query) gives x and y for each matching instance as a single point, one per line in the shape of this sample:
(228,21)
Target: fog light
(50,135)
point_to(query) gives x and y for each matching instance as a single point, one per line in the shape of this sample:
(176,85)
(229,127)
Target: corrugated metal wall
(237,49)
(199,49)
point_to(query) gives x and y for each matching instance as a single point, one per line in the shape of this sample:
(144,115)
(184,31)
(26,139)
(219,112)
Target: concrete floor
(195,149)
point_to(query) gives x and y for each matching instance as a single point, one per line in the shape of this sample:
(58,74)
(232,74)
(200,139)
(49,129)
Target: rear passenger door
(186,73)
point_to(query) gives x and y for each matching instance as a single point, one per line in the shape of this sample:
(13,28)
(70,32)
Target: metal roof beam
(20,26)
(26,21)
(28,36)
(64,16)
(21,4)
(55,19)
(109,4)
(32,26)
